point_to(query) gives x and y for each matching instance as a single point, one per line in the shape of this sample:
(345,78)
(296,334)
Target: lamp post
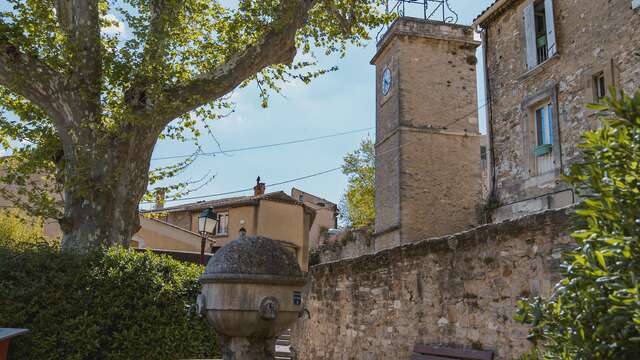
(206,224)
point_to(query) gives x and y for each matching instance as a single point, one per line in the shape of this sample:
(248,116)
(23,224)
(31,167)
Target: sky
(334,103)
(341,101)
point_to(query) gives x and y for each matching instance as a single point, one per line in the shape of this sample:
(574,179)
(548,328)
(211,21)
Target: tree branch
(277,46)
(161,13)
(80,22)
(28,77)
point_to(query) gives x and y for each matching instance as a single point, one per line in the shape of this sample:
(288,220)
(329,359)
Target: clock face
(386,81)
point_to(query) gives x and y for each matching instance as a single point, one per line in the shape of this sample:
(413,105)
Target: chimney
(259,188)
(159,194)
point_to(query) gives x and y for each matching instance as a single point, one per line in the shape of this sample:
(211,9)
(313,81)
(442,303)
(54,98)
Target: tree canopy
(87,104)
(358,204)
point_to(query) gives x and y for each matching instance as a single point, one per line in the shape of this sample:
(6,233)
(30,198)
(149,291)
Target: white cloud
(115,26)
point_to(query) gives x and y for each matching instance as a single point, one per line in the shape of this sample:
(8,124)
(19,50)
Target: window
(544,125)
(540,32)
(599,86)
(596,81)
(301,198)
(540,135)
(223,224)
(544,139)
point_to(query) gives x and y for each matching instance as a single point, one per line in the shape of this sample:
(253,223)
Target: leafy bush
(16,226)
(594,312)
(116,304)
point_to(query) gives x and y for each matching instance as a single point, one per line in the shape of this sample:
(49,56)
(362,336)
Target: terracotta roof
(497,4)
(327,202)
(280,196)
(164,223)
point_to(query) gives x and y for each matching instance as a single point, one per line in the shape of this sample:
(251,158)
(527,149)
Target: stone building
(428,180)
(545,61)
(426,280)
(326,215)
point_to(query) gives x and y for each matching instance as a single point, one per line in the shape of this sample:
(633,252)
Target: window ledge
(540,67)
(220,235)
(542,150)
(539,180)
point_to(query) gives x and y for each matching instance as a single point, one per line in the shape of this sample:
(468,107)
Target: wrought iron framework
(436,10)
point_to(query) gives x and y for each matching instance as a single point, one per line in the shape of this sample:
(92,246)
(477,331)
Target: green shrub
(357,207)
(16,227)
(594,312)
(117,304)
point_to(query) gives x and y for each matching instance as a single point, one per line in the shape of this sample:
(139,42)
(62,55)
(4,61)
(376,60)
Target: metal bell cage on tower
(435,10)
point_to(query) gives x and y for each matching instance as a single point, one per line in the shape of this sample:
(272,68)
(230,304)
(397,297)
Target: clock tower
(428,179)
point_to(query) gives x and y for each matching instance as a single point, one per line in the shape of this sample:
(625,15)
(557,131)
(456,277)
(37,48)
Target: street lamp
(206,224)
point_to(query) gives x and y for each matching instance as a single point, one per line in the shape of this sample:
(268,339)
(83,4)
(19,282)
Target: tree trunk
(100,221)
(103,187)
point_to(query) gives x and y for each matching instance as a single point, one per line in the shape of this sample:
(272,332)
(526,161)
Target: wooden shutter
(551,30)
(530,35)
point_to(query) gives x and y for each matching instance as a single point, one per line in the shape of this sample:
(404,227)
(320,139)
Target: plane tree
(84,103)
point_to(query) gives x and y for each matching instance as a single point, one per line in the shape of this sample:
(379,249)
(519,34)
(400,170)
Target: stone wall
(593,36)
(459,290)
(348,244)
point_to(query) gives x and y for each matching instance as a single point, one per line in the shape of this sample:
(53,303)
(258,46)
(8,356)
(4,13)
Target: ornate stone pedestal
(251,293)
(239,348)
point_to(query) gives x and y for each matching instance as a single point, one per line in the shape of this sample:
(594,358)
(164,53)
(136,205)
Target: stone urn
(251,293)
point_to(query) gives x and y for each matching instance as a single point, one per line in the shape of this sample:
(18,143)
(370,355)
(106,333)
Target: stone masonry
(350,243)
(593,36)
(459,290)
(428,179)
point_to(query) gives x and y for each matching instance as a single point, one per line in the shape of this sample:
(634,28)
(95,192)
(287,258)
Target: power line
(312,175)
(266,145)
(251,188)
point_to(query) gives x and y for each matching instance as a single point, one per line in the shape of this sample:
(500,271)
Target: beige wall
(181,219)
(273,219)
(156,234)
(285,222)
(236,215)
(281,221)
(324,220)
(325,217)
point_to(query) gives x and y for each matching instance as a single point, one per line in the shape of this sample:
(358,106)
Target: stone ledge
(469,238)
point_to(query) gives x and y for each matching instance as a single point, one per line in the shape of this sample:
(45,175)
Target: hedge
(115,304)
